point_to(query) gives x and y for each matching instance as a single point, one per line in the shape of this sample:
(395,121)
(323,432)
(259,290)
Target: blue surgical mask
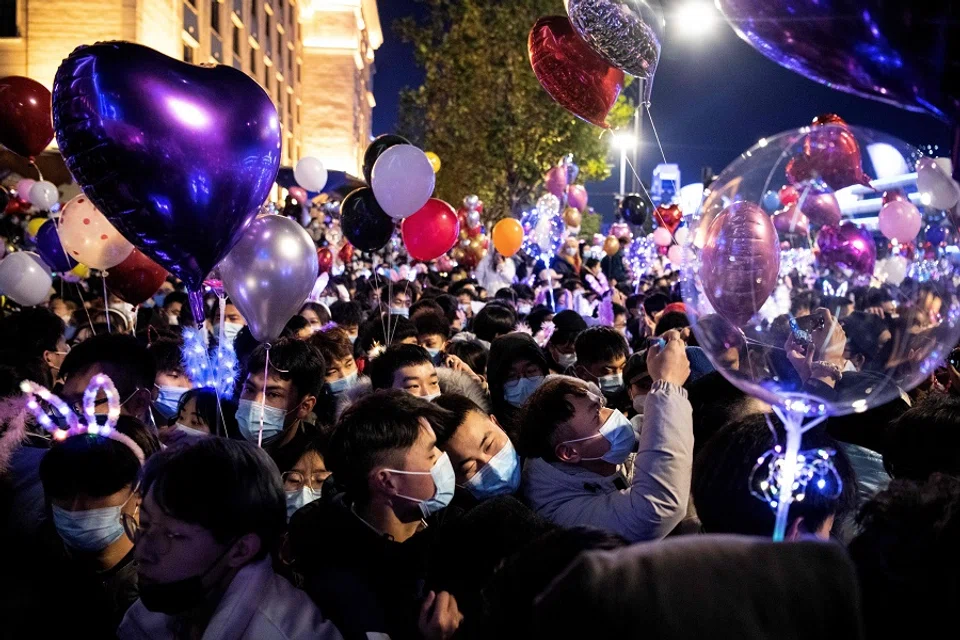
(339,386)
(248,421)
(433,353)
(400,311)
(297,499)
(91,530)
(611,384)
(168,401)
(431,397)
(517,391)
(444,481)
(500,476)
(353,339)
(158,299)
(619,433)
(230,331)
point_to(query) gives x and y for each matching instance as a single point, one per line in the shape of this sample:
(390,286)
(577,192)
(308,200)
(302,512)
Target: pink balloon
(790,221)
(900,220)
(577,196)
(848,247)
(299,194)
(740,261)
(820,205)
(662,237)
(675,255)
(555,181)
(24,186)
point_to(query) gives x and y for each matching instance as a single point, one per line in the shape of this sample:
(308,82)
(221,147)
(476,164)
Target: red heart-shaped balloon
(571,72)
(830,152)
(324,260)
(136,279)
(26,120)
(669,216)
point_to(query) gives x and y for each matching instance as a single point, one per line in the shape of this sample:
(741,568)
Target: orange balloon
(611,245)
(508,236)
(572,217)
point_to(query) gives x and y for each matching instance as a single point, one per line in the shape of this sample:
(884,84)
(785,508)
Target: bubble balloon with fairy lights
(801,362)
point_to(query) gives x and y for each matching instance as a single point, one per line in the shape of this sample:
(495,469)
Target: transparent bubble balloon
(814,305)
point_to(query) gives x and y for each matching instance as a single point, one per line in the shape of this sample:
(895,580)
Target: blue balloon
(178,157)
(51,249)
(771,201)
(935,234)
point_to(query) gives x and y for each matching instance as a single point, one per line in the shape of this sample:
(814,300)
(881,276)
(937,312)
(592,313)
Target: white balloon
(681,235)
(88,236)
(936,187)
(43,195)
(675,255)
(896,268)
(25,279)
(310,174)
(402,180)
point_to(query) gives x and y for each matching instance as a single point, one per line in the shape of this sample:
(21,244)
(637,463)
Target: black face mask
(180,595)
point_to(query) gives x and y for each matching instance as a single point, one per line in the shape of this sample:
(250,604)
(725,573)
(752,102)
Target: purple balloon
(791,221)
(555,181)
(740,261)
(819,204)
(577,197)
(893,52)
(177,156)
(51,249)
(847,248)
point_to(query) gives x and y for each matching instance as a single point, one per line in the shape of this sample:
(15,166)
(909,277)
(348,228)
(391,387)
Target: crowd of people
(430,457)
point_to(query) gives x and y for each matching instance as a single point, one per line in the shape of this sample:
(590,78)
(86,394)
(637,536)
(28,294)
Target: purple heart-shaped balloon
(178,157)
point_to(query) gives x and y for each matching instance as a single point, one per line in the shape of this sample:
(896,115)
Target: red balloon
(820,205)
(431,231)
(324,260)
(828,118)
(571,72)
(136,279)
(346,252)
(831,153)
(669,216)
(299,194)
(26,116)
(740,261)
(790,221)
(788,195)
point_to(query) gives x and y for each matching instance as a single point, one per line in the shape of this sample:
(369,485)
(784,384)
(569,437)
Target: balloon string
(673,238)
(223,309)
(39,174)
(263,398)
(56,220)
(655,135)
(106,300)
(85,310)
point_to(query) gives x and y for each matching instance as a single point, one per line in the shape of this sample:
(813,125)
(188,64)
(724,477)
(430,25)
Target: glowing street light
(625,141)
(694,19)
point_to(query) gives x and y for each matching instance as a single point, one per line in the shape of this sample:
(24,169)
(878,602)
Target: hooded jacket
(646,508)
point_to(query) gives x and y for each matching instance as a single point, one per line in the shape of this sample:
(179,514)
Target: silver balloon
(269,274)
(471,202)
(626,33)
(473,219)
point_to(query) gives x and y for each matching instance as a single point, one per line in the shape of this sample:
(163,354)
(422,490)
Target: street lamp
(694,19)
(625,141)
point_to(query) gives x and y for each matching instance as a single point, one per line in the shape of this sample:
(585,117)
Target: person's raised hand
(669,362)
(439,616)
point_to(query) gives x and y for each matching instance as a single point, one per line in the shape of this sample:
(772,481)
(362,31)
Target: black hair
(294,326)
(863,331)
(460,288)
(245,481)
(473,354)
(370,429)
(429,324)
(600,344)
(537,316)
(123,358)
(618,309)
(346,314)
(322,313)
(655,303)
(722,473)
(450,305)
(318,444)
(392,289)
(925,440)
(333,344)
(806,299)
(210,406)
(176,296)
(385,329)
(244,345)
(635,301)
(715,402)
(96,466)
(907,557)
(397,356)
(168,355)
(523,291)
(568,324)
(458,407)
(544,411)
(425,306)
(506,294)
(494,320)
(27,335)
(293,360)
(671,320)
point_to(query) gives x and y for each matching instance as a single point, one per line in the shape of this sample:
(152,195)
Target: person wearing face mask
(272,413)
(171,381)
(561,347)
(601,354)
(342,375)
(91,483)
(204,566)
(433,331)
(568,262)
(348,316)
(577,446)
(34,344)
(397,297)
(484,459)
(637,382)
(516,367)
(385,526)
(303,483)
(173,304)
(233,323)
(408,368)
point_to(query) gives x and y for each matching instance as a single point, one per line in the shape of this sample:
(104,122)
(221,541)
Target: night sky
(712,100)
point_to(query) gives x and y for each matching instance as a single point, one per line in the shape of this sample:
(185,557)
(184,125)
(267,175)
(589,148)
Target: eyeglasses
(162,542)
(295,481)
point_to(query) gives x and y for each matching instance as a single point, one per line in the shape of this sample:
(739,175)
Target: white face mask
(173,319)
(566,360)
(196,433)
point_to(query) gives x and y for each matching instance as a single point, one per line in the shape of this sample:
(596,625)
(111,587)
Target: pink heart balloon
(740,261)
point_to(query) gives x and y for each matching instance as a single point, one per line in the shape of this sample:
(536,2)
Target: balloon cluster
(580,59)
(472,244)
(543,228)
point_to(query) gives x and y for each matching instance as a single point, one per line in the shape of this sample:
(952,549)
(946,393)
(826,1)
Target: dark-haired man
(601,355)
(577,448)
(406,367)
(365,554)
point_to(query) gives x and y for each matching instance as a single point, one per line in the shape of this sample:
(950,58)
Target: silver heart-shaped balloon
(626,33)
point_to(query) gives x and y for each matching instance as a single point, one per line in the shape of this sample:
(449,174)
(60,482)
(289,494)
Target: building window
(192,3)
(266,31)
(253,61)
(299,67)
(290,107)
(8,19)
(236,40)
(298,114)
(279,95)
(266,76)
(188,53)
(215,16)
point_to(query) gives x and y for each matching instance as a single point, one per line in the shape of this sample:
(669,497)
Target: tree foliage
(481,109)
